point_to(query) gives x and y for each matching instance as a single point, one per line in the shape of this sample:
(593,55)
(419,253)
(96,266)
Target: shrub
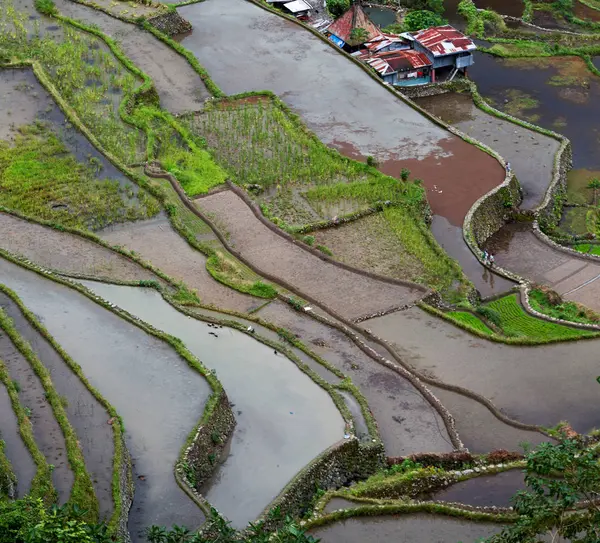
(338,7)
(46,7)
(404,174)
(416,20)
(490,314)
(309,240)
(371,161)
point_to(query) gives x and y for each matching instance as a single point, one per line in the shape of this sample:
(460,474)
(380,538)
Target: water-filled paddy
(560,94)
(14,448)
(284,419)
(158,395)
(486,490)
(405,529)
(85,413)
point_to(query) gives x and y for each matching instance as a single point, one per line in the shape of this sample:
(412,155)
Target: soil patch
(46,430)
(86,414)
(14,448)
(156,242)
(342,290)
(585,12)
(159,397)
(407,423)
(67,253)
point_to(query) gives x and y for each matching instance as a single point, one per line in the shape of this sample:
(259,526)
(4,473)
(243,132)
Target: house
(448,49)
(400,67)
(298,8)
(353,29)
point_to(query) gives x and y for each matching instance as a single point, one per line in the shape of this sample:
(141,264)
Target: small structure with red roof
(446,47)
(353,29)
(400,67)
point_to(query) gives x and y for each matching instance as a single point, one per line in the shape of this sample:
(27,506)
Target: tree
(594,184)
(358,36)
(559,476)
(338,7)
(437,6)
(416,20)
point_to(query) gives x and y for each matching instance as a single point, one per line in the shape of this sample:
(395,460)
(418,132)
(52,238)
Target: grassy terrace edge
(82,492)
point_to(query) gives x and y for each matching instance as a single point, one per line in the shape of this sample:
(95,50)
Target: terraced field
(177,352)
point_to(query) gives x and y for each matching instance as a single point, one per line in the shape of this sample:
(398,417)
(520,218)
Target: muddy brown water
(46,430)
(485,490)
(570,108)
(14,448)
(516,379)
(284,419)
(85,413)
(405,529)
(158,395)
(585,12)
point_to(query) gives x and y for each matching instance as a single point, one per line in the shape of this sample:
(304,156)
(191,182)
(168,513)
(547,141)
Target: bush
(46,7)
(338,7)
(309,240)
(416,20)
(490,314)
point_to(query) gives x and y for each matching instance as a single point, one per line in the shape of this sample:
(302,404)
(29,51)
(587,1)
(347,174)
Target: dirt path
(156,242)
(345,292)
(179,86)
(517,249)
(86,414)
(67,253)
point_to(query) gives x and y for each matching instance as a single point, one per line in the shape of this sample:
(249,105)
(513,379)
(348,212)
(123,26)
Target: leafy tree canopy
(437,6)
(338,7)
(558,476)
(416,20)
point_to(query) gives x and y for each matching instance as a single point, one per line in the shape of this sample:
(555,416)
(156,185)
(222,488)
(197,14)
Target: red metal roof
(444,40)
(355,17)
(394,61)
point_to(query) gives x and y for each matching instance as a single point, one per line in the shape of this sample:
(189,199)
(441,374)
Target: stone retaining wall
(170,23)
(341,464)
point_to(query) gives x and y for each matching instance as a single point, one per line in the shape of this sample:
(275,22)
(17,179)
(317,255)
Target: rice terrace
(299,271)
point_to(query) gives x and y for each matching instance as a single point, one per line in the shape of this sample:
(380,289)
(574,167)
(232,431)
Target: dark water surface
(567,95)
(381,17)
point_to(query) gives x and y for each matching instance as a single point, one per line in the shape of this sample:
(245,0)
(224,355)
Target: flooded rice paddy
(85,413)
(559,94)
(284,419)
(14,448)
(46,430)
(485,490)
(405,529)
(516,379)
(158,395)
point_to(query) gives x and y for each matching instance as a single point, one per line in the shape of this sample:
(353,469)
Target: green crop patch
(469,320)
(516,323)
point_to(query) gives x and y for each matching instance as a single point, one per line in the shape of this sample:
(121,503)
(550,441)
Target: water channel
(284,419)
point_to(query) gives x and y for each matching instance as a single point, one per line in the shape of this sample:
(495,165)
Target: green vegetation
(557,476)
(516,323)
(29,520)
(45,7)
(470,321)
(82,492)
(338,7)
(550,303)
(416,20)
(40,178)
(592,249)
(7,476)
(480,21)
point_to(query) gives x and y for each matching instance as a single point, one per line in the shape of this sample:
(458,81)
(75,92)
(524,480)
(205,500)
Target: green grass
(469,320)
(7,476)
(38,177)
(592,249)
(570,311)
(516,323)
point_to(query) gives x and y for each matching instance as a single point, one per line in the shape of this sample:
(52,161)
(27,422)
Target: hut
(353,29)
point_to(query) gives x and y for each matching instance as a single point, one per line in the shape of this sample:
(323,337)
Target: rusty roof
(355,17)
(396,61)
(444,40)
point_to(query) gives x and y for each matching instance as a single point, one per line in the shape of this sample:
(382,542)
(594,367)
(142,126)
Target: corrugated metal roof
(394,61)
(444,40)
(297,6)
(355,17)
